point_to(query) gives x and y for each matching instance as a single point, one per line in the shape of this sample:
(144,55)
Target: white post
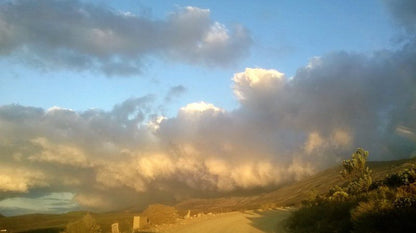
(136,223)
(114,228)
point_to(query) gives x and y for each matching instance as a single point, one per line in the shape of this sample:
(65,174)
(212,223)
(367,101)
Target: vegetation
(47,230)
(359,204)
(161,214)
(86,224)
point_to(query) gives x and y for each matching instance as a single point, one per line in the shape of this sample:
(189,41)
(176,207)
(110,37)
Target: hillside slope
(57,222)
(291,194)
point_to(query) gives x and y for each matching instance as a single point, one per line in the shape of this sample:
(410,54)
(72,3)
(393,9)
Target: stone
(136,223)
(188,215)
(114,228)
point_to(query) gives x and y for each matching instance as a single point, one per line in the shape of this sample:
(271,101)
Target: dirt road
(247,222)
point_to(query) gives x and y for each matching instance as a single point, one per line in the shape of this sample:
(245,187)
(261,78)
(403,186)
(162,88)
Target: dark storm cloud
(52,34)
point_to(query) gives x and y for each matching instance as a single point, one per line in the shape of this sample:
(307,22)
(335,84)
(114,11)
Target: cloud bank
(284,128)
(51,34)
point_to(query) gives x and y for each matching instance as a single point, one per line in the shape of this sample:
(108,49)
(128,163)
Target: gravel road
(242,222)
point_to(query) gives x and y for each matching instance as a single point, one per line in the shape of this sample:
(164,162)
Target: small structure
(136,223)
(140,223)
(188,215)
(114,228)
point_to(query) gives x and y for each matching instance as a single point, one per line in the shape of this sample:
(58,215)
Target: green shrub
(386,221)
(330,216)
(405,177)
(361,205)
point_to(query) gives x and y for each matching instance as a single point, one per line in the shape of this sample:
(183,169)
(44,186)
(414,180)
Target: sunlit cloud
(283,129)
(73,35)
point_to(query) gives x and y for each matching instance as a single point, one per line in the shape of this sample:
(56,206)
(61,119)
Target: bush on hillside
(86,224)
(328,217)
(361,205)
(161,214)
(405,177)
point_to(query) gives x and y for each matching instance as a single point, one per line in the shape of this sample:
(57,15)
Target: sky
(106,105)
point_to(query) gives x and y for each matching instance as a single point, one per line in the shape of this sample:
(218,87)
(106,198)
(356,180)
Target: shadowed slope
(291,194)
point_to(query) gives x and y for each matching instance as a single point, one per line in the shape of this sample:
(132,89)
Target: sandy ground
(242,222)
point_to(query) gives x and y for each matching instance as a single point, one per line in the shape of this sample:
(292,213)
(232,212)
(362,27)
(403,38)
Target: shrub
(85,225)
(356,173)
(384,220)
(361,205)
(160,214)
(405,177)
(330,216)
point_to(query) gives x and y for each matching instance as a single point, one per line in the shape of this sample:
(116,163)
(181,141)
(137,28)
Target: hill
(291,194)
(51,223)
(288,195)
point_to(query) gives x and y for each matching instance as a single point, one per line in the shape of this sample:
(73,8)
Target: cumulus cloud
(257,83)
(74,35)
(283,129)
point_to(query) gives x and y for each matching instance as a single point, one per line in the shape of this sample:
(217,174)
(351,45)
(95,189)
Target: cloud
(255,83)
(175,92)
(283,129)
(20,179)
(52,34)
(404,12)
(61,154)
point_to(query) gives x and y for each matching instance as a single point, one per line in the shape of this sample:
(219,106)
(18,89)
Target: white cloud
(20,180)
(217,34)
(84,36)
(200,107)
(255,81)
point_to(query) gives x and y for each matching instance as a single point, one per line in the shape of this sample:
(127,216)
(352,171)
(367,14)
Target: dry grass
(291,194)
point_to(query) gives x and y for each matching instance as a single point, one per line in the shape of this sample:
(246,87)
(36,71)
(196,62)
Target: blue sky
(285,34)
(106,105)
